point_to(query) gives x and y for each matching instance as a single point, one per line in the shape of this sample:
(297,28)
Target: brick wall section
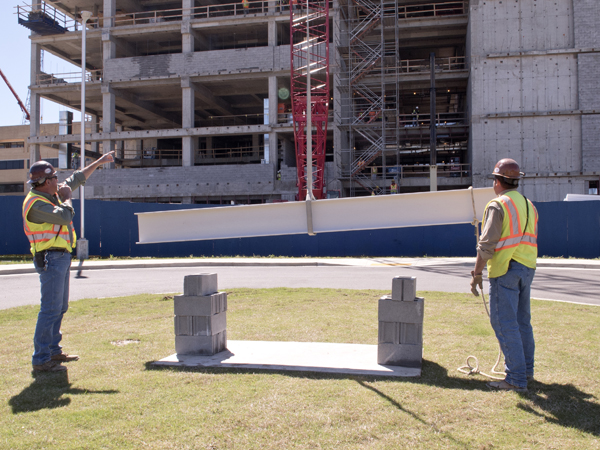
(221,62)
(184,181)
(589,87)
(587,34)
(586,17)
(590,127)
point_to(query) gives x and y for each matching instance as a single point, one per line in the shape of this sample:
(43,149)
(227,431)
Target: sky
(15,60)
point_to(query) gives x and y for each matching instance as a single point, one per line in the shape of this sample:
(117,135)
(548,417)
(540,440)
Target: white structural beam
(581,197)
(344,214)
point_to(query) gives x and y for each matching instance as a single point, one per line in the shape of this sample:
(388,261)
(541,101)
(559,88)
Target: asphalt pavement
(576,281)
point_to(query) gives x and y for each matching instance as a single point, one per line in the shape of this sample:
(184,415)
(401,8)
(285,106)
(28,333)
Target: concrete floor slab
(351,359)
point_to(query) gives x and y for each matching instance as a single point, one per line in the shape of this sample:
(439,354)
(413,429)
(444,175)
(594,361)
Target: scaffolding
(384,128)
(370,92)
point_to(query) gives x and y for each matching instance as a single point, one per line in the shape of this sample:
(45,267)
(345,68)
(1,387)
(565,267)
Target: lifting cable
(472,364)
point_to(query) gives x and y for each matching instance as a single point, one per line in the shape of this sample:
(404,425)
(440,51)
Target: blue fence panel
(567,229)
(584,229)
(13,240)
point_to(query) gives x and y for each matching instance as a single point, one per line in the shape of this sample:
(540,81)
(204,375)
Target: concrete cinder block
(200,305)
(404,288)
(201,345)
(404,355)
(401,311)
(200,285)
(400,333)
(200,325)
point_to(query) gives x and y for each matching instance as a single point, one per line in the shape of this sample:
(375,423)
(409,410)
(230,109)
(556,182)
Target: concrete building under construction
(194,95)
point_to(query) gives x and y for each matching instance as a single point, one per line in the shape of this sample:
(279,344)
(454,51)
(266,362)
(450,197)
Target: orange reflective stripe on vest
(516,242)
(45,235)
(516,236)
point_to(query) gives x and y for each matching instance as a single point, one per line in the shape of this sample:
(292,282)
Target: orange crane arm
(16,96)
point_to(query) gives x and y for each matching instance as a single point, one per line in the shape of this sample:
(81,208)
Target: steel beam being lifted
(345,214)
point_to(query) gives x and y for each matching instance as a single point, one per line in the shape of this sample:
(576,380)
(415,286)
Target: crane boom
(21,105)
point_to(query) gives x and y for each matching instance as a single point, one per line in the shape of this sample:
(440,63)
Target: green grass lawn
(113,398)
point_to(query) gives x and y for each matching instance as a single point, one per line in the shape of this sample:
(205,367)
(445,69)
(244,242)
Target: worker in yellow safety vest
(48,224)
(393,187)
(508,244)
(245,6)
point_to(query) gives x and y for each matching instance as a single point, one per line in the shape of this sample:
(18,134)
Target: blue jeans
(54,304)
(510,315)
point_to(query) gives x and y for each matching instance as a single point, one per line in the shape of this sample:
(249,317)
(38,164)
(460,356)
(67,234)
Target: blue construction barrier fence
(566,229)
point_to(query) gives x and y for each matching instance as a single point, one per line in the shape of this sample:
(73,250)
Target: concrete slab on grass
(352,359)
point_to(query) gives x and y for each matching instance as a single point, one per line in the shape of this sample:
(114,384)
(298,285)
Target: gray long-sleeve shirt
(57,213)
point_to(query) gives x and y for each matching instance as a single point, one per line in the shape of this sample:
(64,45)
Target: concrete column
(65,126)
(187,6)
(188,112)
(119,145)
(109,10)
(200,316)
(187,38)
(188,147)
(340,138)
(273,100)
(400,341)
(272,32)
(187,35)
(95,128)
(108,97)
(34,107)
(108,115)
(134,148)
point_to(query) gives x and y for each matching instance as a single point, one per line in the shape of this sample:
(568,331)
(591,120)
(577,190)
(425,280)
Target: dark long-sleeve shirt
(57,213)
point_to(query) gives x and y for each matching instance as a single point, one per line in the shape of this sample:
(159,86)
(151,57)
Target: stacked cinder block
(400,340)
(200,316)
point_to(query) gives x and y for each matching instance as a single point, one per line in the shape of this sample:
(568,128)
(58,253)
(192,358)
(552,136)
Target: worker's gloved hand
(476,280)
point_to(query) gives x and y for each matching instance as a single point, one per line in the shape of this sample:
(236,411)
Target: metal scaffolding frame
(372,92)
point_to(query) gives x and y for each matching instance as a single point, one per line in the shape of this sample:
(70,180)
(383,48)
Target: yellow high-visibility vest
(516,242)
(43,236)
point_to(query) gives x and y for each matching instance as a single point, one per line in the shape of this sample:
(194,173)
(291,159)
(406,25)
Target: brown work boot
(504,386)
(63,357)
(49,366)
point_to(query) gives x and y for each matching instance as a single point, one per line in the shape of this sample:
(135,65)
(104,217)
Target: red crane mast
(21,105)
(309,39)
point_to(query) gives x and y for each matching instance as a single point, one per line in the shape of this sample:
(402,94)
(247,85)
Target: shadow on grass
(46,392)
(413,414)
(560,404)
(563,405)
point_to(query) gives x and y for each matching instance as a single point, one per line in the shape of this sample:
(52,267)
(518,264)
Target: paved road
(553,283)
